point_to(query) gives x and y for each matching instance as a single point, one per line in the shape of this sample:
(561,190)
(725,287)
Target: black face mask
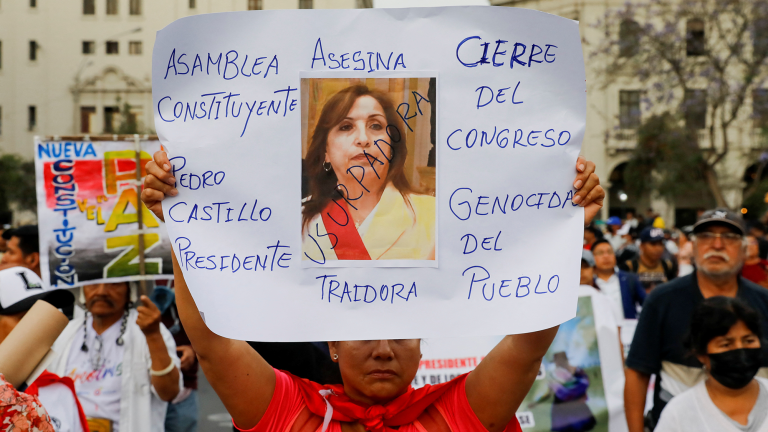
(736,368)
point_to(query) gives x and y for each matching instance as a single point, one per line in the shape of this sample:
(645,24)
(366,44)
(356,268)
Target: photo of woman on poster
(359,202)
(568,385)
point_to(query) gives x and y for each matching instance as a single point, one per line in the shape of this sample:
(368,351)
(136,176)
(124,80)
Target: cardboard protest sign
(580,385)
(87,214)
(409,171)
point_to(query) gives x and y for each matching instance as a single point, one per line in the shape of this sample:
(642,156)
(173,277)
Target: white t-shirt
(612,289)
(61,406)
(693,410)
(98,372)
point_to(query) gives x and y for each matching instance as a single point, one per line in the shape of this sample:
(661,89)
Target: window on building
(31,117)
(760,29)
(254,5)
(33,50)
(89,47)
(134,47)
(135,7)
(86,119)
(694,37)
(111,7)
(695,106)
(629,38)
(33,3)
(131,119)
(112,47)
(89,7)
(192,4)
(629,109)
(760,107)
(110,119)
(305,4)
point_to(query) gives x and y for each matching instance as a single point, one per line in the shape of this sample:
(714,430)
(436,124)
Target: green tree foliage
(711,48)
(667,159)
(17,183)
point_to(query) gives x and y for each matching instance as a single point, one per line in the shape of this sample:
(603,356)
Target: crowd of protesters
(700,315)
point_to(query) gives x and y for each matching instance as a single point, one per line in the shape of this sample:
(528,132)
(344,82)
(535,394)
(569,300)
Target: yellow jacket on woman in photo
(393,231)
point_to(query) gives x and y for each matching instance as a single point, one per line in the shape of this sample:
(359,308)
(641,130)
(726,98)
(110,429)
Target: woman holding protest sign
(358,189)
(376,394)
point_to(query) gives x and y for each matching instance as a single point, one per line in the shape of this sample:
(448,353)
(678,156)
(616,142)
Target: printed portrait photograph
(369,172)
(568,395)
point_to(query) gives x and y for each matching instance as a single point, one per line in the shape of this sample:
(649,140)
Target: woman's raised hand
(589,194)
(160,182)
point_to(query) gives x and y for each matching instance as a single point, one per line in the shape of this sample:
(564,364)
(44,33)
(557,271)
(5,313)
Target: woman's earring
(335,356)
(327,166)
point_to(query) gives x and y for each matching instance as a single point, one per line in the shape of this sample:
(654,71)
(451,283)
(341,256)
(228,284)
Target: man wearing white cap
(20,288)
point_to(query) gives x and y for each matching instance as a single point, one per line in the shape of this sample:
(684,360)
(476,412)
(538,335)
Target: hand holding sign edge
(158,183)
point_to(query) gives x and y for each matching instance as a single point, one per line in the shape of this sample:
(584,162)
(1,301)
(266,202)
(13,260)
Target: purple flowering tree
(699,61)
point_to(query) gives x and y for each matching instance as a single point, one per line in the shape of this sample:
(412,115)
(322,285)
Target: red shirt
(756,273)
(288,412)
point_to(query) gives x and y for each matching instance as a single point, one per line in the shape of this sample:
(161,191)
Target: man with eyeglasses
(651,266)
(719,250)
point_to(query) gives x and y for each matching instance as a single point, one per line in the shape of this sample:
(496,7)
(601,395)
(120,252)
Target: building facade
(71,67)
(615,112)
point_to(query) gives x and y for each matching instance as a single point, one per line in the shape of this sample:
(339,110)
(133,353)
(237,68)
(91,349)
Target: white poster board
(589,344)
(473,232)
(87,214)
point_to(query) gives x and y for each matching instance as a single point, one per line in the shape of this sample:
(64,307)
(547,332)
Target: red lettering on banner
(452,363)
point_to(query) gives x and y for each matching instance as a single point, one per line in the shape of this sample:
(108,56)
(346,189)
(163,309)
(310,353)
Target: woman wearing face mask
(725,336)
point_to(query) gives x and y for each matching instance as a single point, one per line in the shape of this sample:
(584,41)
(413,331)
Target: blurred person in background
(755,268)
(20,289)
(22,247)
(591,235)
(628,249)
(631,220)
(684,255)
(651,266)
(614,225)
(670,242)
(3,242)
(22,412)
(757,229)
(725,337)
(657,347)
(587,268)
(122,359)
(622,288)
(182,412)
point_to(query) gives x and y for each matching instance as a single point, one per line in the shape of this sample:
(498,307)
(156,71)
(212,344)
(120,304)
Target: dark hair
(714,317)
(599,242)
(757,225)
(28,238)
(323,184)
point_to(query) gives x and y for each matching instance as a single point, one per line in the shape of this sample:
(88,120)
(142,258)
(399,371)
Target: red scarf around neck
(404,409)
(47,378)
(338,221)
